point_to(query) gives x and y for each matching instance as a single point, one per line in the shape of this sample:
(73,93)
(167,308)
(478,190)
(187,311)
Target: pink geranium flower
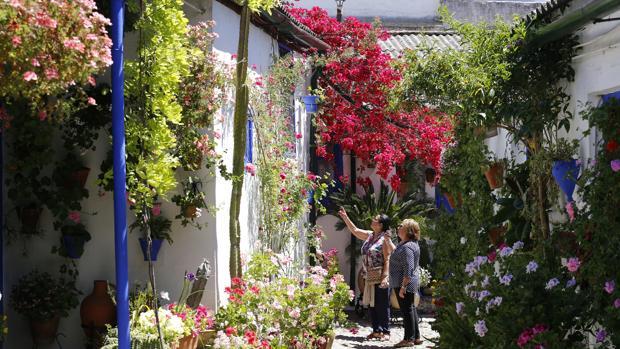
(74,216)
(573,264)
(30,75)
(251,169)
(615,165)
(610,286)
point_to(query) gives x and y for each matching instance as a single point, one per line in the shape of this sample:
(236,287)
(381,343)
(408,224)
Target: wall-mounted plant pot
(155,246)
(496,235)
(311,103)
(451,200)
(29,218)
(97,310)
(495,175)
(44,332)
(73,247)
(565,173)
(187,342)
(190,211)
(79,177)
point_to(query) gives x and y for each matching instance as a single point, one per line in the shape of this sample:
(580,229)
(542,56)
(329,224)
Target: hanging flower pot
(97,310)
(311,103)
(29,218)
(155,246)
(190,211)
(187,342)
(495,175)
(496,235)
(565,173)
(78,178)
(73,246)
(44,332)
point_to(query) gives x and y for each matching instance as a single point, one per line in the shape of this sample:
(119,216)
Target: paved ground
(345,338)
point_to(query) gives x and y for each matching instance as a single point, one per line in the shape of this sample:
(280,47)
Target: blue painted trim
(339,165)
(249,144)
(2,225)
(118,153)
(608,97)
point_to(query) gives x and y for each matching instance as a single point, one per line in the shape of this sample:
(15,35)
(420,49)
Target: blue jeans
(380,313)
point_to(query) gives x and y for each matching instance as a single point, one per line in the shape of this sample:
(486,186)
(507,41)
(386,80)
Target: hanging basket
(565,173)
(495,175)
(155,246)
(190,211)
(311,103)
(78,178)
(29,218)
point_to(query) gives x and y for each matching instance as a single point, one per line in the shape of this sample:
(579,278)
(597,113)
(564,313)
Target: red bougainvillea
(355,113)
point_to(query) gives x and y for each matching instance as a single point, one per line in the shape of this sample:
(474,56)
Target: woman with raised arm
(404,278)
(376,261)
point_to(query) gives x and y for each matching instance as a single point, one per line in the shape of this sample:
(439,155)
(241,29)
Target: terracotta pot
(29,218)
(78,178)
(430,174)
(187,342)
(97,310)
(44,332)
(496,235)
(206,338)
(495,175)
(190,211)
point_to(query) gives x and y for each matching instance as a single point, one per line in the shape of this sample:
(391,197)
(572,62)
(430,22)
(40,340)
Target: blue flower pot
(73,247)
(565,173)
(154,248)
(311,103)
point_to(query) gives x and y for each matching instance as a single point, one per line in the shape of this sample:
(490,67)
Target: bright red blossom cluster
(356,113)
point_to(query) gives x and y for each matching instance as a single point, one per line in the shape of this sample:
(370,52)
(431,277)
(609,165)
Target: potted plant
(29,217)
(311,103)
(159,227)
(565,168)
(191,201)
(74,237)
(43,300)
(494,173)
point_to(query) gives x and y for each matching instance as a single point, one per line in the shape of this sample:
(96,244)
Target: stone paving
(345,338)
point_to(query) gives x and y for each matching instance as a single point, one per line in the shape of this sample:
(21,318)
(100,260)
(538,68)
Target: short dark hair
(384,220)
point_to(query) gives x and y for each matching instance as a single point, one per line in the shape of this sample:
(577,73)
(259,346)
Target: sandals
(404,344)
(375,335)
(418,341)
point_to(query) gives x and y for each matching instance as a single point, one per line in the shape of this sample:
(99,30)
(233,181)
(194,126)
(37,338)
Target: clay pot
(206,338)
(187,342)
(78,177)
(496,235)
(44,332)
(430,174)
(97,310)
(29,217)
(190,211)
(495,175)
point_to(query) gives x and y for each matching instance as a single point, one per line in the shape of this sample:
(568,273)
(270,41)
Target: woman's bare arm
(357,232)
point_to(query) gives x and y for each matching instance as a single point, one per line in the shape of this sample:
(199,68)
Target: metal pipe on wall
(118,148)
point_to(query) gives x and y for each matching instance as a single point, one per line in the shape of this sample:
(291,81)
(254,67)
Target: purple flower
(494,302)
(505,280)
(552,283)
(610,286)
(481,328)
(531,267)
(615,165)
(600,336)
(459,307)
(485,282)
(506,251)
(570,283)
(573,264)
(483,294)
(518,245)
(190,276)
(617,303)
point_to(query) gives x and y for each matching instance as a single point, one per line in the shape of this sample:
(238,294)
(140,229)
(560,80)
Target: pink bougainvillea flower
(75,44)
(311,176)
(91,101)
(251,169)
(570,210)
(573,264)
(42,115)
(30,75)
(615,165)
(282,175)
(74,216)
(610,286)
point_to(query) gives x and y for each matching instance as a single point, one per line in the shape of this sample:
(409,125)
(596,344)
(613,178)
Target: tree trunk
(241,116)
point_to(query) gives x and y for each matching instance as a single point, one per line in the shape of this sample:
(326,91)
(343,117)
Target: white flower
(463,240)
(164,295)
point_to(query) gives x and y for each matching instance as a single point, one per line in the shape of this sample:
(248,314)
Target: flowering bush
(489,310)
(47,46)
(268,310)
(425,277)
(172,326)
(365,122)
(39,296)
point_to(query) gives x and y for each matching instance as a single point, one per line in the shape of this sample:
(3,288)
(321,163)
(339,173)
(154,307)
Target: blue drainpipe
(118,148)
(2,224)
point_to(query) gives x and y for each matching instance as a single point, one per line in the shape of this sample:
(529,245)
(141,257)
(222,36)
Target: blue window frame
(249,132)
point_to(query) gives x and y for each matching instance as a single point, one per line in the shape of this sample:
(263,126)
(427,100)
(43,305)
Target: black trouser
(410,315)
(380,313)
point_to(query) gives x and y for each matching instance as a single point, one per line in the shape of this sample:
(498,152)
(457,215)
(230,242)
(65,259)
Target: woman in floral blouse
(376,261)
(404,278)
